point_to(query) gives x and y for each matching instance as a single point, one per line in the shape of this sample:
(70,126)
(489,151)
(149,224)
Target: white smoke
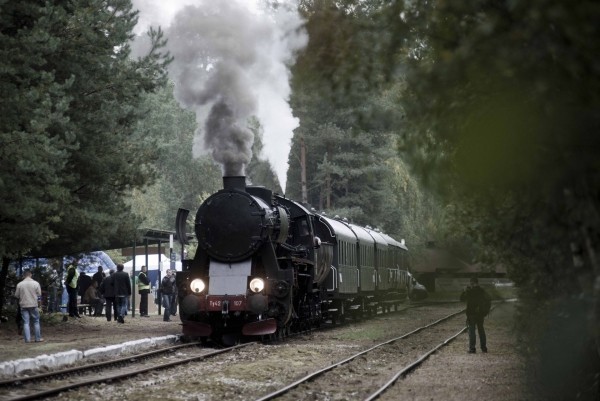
(232,62)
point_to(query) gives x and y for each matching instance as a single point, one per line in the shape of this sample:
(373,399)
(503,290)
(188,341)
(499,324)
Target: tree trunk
(328,191)
(3,275)
(303,170)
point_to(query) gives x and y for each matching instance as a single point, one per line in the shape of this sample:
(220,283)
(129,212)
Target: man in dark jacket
(99,276)
(174,296)
(107,289)
(143,290)
(477,307)
(166,289)
(122,291)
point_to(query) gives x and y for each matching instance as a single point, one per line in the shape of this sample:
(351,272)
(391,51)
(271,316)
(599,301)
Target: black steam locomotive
(267,265)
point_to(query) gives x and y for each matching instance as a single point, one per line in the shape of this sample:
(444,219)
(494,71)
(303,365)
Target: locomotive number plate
(216,303)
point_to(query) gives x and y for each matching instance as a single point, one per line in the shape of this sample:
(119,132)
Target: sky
(232,61)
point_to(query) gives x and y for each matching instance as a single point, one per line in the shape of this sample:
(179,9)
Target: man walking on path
(122,285)
(478,306)
(28,292)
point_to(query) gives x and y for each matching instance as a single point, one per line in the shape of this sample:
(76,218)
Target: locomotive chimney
(234,182)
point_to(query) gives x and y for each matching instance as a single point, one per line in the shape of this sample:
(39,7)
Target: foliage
(501,112)
(68,128)
(348,112)
(496,111)
(260,171)
(70,154)
(183,178)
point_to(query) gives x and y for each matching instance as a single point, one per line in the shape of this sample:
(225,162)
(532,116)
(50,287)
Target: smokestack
(234,182)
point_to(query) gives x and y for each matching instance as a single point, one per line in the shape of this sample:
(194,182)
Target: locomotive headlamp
(197,286)
(257,285)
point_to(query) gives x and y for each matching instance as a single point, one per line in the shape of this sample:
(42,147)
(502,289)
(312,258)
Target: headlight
(257,285)
(197,286)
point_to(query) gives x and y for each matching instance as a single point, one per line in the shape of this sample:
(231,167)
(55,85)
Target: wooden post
(303,170)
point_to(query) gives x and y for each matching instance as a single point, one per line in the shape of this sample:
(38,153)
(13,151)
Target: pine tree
(69,150)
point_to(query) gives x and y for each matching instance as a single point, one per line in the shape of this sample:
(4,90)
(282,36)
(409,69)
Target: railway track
(49,384)
(53,383)
(373,365)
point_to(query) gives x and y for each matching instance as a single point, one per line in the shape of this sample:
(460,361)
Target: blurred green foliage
(502,117)
(495,109)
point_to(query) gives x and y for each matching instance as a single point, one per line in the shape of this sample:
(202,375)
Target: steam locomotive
(267,266)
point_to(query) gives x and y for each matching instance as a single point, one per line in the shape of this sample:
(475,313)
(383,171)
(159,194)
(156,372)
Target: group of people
(168,291)
(114,291)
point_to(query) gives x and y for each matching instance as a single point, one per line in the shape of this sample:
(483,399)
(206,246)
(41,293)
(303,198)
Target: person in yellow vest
(72,283)
(143,290)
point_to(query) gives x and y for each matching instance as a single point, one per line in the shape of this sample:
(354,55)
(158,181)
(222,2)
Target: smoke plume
(231,63)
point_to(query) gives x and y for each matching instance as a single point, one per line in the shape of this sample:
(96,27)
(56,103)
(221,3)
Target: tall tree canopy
(502,113)
(69,148)
(182,180)
(260,171)
(348,114)
(500,104)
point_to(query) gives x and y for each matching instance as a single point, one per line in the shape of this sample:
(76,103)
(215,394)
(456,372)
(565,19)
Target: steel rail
(127,359)
(319,372)
(410,367)
(120,376)
(407,369)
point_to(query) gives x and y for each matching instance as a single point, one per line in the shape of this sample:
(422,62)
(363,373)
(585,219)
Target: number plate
(216,303)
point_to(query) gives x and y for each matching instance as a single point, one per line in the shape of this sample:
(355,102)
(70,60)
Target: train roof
(341,229)
(379,239)
(364,236)
(392,241)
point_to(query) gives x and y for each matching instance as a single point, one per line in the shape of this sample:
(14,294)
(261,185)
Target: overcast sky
(274,47)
